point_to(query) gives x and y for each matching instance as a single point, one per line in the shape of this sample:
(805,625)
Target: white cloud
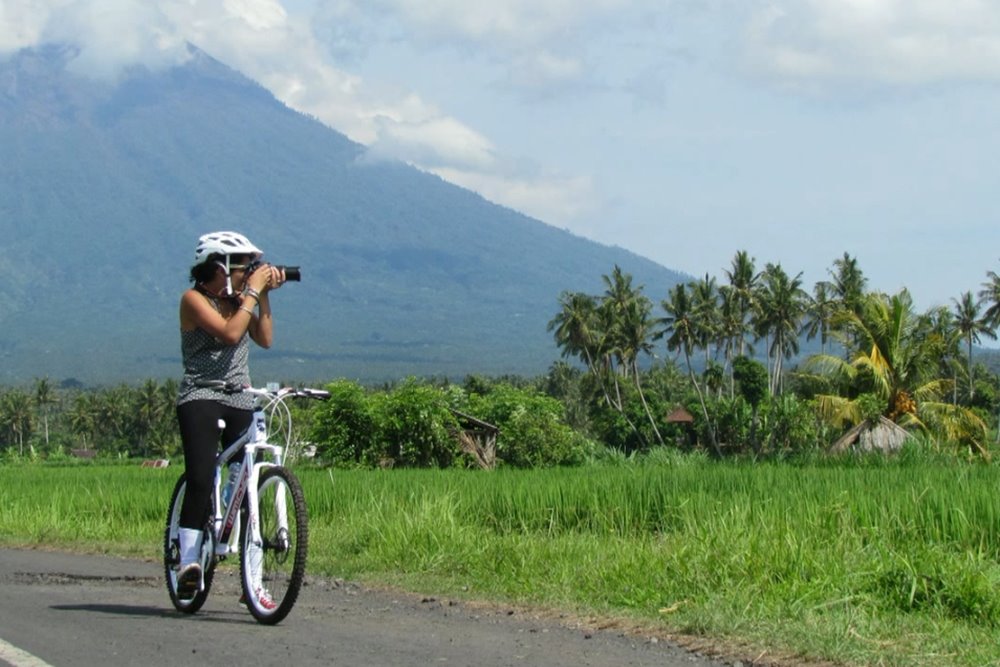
(557,200)
(513,23)
(109,35)
(264,41)
(538,43)
(894,42)
(21,24)
(433,142)
(258,14)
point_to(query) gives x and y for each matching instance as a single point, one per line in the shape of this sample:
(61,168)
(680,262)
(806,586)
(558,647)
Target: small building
(686,436)
(882,435)
(478,439)
(680,415)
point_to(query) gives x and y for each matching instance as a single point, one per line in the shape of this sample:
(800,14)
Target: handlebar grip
(318,394)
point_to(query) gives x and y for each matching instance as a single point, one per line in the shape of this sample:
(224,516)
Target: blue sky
(795,129)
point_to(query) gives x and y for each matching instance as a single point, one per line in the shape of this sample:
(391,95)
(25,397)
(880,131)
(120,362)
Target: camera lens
(292,273)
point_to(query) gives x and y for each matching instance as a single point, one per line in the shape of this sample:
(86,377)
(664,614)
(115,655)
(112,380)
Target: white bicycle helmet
(224,243)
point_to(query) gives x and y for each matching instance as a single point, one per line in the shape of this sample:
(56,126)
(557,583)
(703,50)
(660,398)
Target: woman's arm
(197,312)
(262,325)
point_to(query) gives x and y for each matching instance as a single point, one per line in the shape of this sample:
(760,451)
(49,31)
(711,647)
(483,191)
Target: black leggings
(200,437)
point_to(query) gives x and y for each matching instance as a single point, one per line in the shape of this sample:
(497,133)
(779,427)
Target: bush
(416,427)
(733,419)
(345,427)
(630,431)
(791,424)
(532,429)
(409,426)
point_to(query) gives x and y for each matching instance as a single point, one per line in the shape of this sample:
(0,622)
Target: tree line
(878,356)
(124,420)
(716,352)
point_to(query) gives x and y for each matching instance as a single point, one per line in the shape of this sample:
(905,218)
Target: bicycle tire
(278,565)
(171,554)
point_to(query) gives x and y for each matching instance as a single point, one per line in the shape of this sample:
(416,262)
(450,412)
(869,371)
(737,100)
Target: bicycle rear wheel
(272,571)
(172,554)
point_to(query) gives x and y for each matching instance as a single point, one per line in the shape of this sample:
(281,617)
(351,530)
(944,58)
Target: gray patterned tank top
(206,358)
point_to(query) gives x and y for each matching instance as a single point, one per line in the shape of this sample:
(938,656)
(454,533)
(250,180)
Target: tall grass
(894,563)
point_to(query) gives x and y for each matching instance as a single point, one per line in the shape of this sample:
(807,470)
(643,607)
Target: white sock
(190,542)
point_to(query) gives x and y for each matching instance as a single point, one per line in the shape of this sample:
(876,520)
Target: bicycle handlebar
(283,392)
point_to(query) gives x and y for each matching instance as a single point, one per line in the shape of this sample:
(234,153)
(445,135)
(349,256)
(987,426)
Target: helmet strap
(229,281)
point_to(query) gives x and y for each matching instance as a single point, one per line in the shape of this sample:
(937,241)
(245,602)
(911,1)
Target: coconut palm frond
(956,423)
(837,410)
(910,421)
(877,362)
(933,391)
(881,372)
(829,366)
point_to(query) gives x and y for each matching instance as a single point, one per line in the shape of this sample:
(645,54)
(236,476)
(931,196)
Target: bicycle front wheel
(272,570)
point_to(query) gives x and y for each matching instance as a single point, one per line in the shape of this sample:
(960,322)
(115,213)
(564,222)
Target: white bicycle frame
(253,441)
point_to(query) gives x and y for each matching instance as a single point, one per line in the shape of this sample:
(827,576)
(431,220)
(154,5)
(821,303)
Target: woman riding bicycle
(217,321)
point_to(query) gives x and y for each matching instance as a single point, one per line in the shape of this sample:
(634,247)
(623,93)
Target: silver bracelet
(244,308)
(254,293)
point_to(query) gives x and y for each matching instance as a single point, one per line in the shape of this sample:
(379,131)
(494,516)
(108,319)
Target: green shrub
(415,427)
(344,427)
(532,429)
(791,424)
(733,420)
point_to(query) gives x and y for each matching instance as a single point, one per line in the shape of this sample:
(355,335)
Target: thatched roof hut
(680,416)
(478,439)
(883,435)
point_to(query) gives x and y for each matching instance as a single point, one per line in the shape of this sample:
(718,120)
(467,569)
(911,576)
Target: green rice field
(889,563)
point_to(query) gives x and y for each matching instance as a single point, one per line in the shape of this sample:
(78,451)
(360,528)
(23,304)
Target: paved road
(62,609)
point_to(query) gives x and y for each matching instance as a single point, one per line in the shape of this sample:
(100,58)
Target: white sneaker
(188,581)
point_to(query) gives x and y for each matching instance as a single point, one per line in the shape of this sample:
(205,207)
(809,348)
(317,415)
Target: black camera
(291,272)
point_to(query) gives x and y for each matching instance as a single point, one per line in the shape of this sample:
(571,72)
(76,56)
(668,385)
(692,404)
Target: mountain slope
(104,190)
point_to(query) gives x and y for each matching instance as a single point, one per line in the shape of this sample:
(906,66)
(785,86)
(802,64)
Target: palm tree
(819,314)
(970,325)
(895,357)
(629,326)
(44,397)
(742,282)
(681,333)
(849,282)
(579,332)
(705,302)
(948,340)
(588,329)
(575,327)
(16,416)
(990,296)
(781,304)
(83,417)
(617,304)
(731,328)
(149,414)
(636,330)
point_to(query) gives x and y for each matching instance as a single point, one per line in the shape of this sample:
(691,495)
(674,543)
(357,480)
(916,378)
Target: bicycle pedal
(190,581)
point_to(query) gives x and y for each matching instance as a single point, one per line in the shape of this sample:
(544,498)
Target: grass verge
(888,563)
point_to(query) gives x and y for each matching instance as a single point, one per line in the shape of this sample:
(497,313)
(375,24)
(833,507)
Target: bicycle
(263,519)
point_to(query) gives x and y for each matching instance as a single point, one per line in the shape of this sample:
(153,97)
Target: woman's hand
(259,280)
(266,278)
(276,278)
